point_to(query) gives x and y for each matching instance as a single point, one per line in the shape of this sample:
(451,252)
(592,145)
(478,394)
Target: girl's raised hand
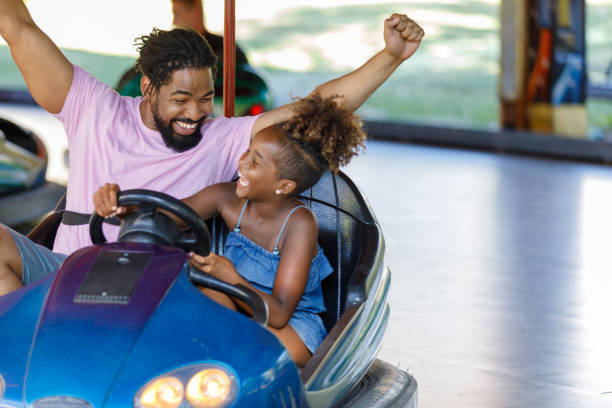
(105,201)
(402,36)
(216,265)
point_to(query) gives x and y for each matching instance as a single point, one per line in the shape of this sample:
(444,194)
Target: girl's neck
(272,208)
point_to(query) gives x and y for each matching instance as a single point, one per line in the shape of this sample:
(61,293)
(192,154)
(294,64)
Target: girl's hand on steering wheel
(216,265)
(105,201)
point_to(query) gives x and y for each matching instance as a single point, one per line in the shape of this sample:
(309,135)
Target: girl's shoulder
(302,214)
(301,224)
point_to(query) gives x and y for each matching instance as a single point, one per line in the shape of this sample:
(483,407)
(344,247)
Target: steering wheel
(148,225)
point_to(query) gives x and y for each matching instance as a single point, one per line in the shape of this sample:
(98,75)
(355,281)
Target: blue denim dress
(258,266)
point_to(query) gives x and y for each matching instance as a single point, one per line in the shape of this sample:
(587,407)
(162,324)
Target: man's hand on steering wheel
(105,201)
(106,206)
(158,219)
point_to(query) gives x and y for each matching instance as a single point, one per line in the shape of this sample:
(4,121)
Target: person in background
(185,14)
(190,14)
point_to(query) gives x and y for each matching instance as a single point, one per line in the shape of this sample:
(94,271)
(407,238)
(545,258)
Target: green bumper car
(25,195)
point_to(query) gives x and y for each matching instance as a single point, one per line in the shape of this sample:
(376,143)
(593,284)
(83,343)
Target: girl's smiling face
(257,171)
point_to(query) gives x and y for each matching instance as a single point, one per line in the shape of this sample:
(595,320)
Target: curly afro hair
(164,52)
(320,136)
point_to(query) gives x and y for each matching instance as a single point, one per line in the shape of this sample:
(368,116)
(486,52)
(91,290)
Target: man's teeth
(186,125)
(243,181)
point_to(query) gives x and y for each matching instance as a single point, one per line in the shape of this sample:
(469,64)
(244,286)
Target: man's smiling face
(179,108)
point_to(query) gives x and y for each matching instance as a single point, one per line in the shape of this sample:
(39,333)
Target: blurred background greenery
(451,80)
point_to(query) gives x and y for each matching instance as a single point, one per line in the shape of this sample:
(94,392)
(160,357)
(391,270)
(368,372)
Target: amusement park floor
(502,273)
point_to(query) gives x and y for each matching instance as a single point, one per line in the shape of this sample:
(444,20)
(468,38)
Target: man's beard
(176,142)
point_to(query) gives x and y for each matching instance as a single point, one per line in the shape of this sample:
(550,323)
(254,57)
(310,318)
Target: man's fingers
(106,198)
(110,195)
(114,189)
(111,191)
(101,203)
(98,204)
(105,201)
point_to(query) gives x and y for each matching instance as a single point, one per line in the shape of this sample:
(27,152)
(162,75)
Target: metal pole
(229,59)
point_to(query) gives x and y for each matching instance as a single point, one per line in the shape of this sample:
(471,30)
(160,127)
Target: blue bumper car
(25,195)
(123,325)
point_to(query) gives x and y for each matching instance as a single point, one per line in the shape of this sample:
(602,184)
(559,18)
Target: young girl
(273,243)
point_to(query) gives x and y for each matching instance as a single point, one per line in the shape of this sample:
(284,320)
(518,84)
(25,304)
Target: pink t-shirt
(109,143)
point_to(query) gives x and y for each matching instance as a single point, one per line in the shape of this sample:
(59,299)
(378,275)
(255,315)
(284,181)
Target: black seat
(44,233)
(349,238)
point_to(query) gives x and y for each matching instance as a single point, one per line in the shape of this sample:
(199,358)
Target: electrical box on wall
(550,67)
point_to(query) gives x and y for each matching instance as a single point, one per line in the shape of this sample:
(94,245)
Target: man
(190,14)
(163,141)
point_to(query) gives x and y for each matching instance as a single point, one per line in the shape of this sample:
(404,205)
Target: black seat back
(345,224)
(44,233)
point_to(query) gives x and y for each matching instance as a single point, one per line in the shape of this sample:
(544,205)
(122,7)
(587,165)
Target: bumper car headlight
(165,392)
(198,386)
(211,387)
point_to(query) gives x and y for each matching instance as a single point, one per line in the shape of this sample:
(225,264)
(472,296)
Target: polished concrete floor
(502,275)
(502,270)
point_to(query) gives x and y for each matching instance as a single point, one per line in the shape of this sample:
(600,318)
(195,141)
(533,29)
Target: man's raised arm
(402,38)
(45,69)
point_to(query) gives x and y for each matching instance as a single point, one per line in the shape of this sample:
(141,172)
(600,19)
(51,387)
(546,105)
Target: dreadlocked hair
(164,52)
(320,136)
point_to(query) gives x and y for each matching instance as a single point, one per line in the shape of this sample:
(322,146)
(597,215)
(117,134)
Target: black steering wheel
(148,225)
